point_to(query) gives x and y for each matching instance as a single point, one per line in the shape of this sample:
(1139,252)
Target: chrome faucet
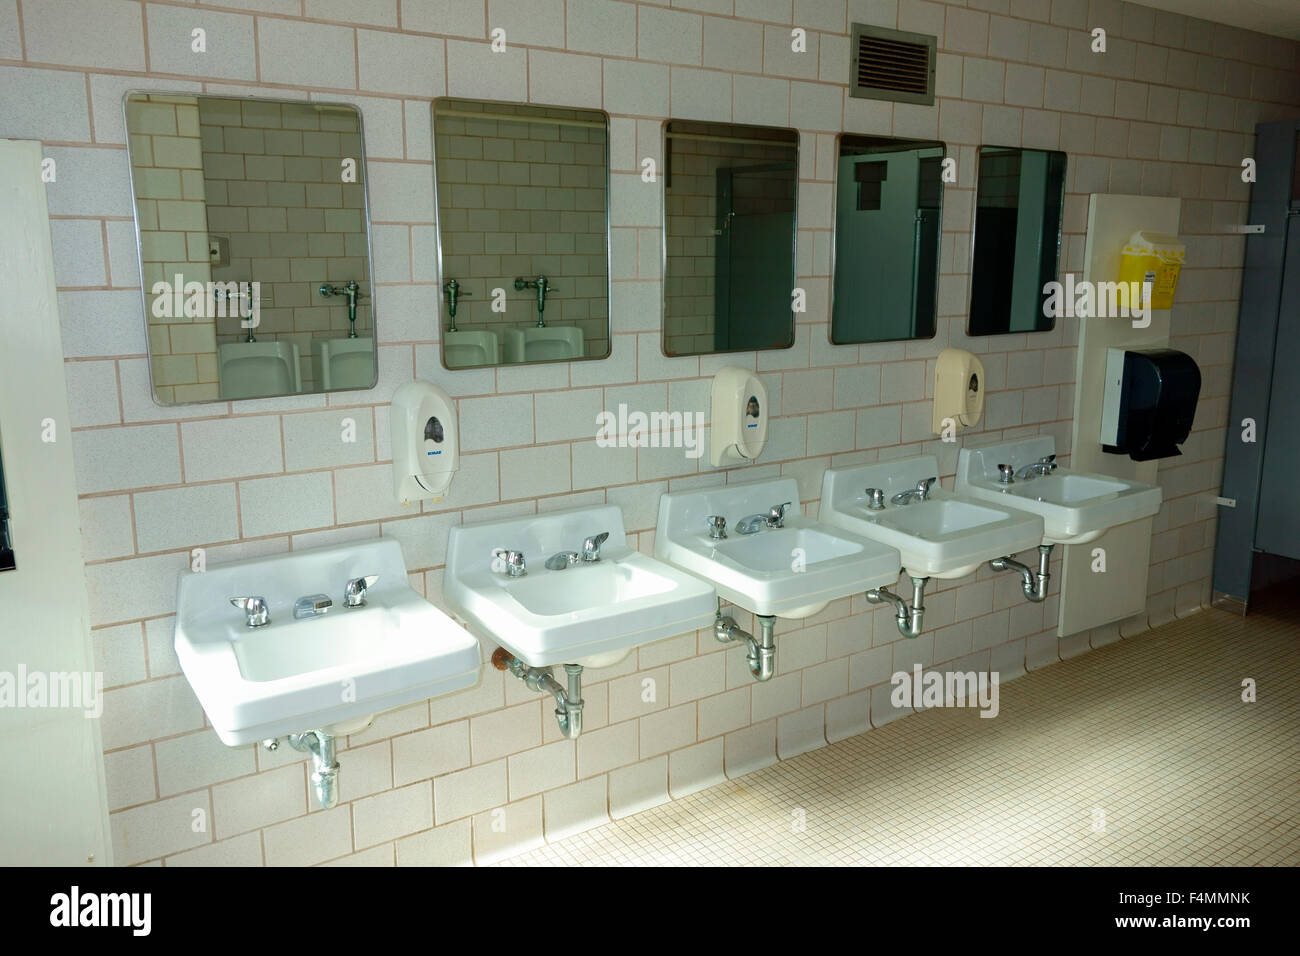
(514,564)
(920,493)
(591,547)
(752,524)
(313,605)
(563,559)
(543,287)
(256,611)
(875,499)
(1044,466)
(590,553)
(717,526)
(354,594)
(1006,475)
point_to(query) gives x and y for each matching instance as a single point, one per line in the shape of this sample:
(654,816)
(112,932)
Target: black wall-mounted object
(1150,402)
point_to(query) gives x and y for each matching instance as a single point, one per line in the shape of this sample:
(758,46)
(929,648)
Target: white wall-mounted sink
(946,536)
(790,572)
(258,369)
(321,672)
(467,347)
(591,614)
(537,344)
(1076,507)
(343,363)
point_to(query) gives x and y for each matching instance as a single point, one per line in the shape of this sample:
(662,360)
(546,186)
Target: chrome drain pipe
(568,703)
(1032,583)
(325,769)
(909,618)
(762,650)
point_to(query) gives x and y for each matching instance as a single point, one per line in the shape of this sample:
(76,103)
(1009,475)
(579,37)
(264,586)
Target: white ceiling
(1278,17)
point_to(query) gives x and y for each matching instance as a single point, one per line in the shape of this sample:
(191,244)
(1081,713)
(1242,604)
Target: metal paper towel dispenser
(1149,402)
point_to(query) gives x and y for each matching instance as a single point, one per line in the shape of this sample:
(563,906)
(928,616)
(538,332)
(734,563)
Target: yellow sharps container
(1154,258)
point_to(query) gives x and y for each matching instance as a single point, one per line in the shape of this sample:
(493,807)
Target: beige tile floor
(1149,736)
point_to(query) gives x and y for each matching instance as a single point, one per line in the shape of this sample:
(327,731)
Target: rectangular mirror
(730,198)
(523,232)
(1018,205)
(254,242)
(888,214)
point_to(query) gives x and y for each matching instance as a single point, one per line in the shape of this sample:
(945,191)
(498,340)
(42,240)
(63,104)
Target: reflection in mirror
(254,246)
(1018,206)
(523,232)
(888,209)
(7,562)
(729,237)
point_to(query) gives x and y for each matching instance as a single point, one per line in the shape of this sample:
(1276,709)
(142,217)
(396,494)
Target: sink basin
(948,536)
(258,369)
(1075,507)
(343,363)
(322,672)
(789,572)
(535,344)
(591,614)
(475,347)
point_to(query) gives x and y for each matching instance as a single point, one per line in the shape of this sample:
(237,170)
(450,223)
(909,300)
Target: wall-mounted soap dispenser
(1149,402)
(958,390)
(739,416)
(425,440)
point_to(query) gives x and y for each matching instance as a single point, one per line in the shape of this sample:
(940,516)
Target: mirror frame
(938,272)
(437,216)
(663,234)
(139,241)
(975,211)
(8,553)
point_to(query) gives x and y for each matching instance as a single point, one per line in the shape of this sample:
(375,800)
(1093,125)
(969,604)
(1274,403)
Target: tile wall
(1168,110)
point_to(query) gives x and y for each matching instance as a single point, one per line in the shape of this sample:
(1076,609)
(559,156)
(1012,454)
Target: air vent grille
(892,65)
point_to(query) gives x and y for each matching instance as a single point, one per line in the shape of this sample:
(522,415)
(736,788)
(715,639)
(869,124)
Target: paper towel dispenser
(1149,402)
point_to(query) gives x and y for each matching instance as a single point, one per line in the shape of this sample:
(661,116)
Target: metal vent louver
(892,65)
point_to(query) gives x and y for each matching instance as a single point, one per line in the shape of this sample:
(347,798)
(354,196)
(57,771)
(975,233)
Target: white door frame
(53,809)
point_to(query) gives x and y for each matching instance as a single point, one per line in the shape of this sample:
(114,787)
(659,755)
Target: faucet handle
(256,611)
(1006,474)
(354,594)
(875,499)
(512,563)
(776,515)
(1050,462)
(717,526)
(923,487)
(591,546)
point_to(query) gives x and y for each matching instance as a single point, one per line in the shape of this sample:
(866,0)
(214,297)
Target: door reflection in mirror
(888,213)
(1018,208)
(730,200)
